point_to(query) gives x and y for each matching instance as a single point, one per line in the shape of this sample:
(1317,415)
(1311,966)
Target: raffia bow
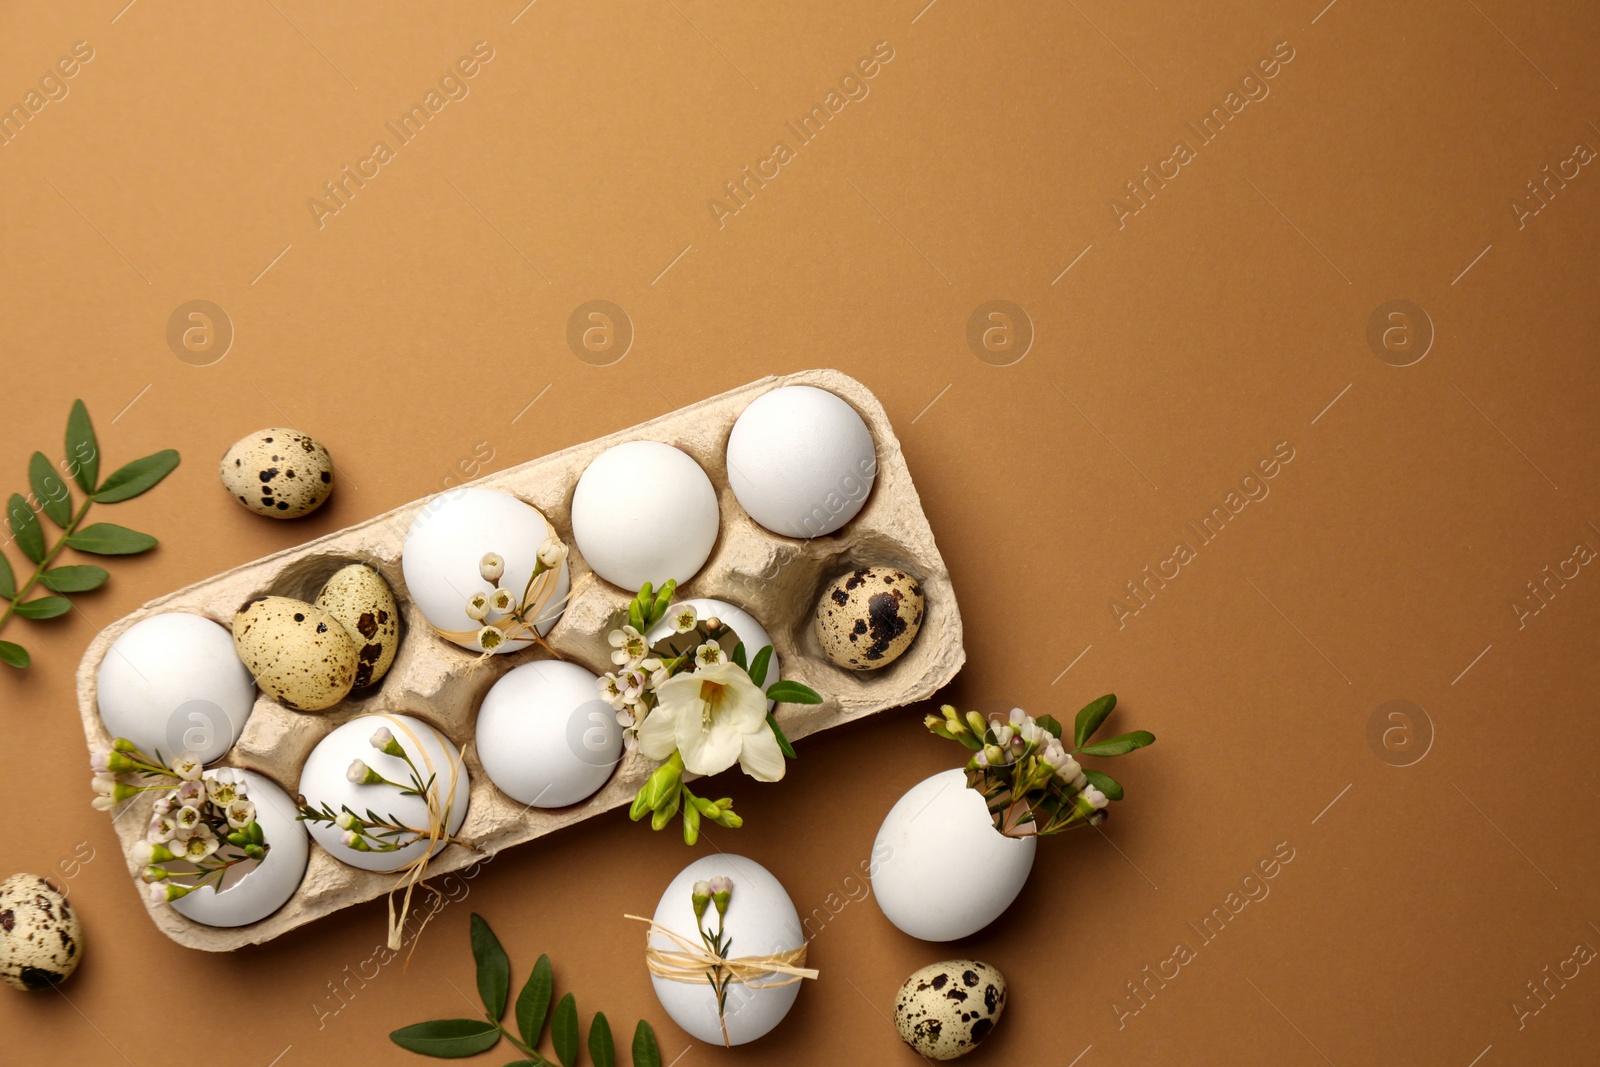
(691,962)
(413,875)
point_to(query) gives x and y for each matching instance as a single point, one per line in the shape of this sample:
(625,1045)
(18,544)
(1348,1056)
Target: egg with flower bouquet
(222,846)
(954,852)
(486,570)
(688,700)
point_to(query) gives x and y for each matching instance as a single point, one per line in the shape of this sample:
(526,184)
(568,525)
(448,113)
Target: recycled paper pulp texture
(1105,267)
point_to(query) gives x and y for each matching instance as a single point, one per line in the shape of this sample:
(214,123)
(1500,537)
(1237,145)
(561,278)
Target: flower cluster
(686,699)
(202,824)
(1029,779)
(371,832)
(504,615)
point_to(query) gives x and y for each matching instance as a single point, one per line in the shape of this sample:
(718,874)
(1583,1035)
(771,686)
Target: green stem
(49,558)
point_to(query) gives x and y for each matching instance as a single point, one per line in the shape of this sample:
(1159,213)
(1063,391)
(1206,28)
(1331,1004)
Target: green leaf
(740,662)
(83,450)
(758,666)
(74,579)
(533,1003)
(783,742)
(448,1039)
(1121,744)
(137,477)
(1090,718)
(787,692)
(1051,723)
(1105,783)
(49,491)
(15,655)
(645,1052)
(602,1049)
(8,580)
(109,539)
(45,607)
(25,527)
(564,1031)
(494,970)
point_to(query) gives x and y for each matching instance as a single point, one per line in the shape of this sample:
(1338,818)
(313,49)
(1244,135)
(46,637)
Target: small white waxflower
(656,669)
(502,600)
(611,691)
(163,806)
(1003,735)
(709,655)
(492,566)
(359,773)
(491,638)
(241,813)
(197,848)
(187,819)
(221,790)
(187,766)
(552,552)
(162,829)
(157,892)
(478,607)
(1096,798)
(190,792)
(683,618)
(142,853)
(629,646)
(631,682)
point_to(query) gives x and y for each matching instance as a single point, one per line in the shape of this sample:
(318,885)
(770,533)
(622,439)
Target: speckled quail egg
(945,1009)
(280,473)
(868,617)
(361,600)
(300,655)
(41,940)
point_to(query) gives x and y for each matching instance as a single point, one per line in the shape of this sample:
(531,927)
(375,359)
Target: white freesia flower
(714,717)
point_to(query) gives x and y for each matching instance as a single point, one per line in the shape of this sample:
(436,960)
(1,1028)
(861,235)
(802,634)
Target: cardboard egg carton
(777,579)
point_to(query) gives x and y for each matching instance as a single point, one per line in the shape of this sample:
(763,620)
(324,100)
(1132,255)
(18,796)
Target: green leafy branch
(457,1038)
(52,497)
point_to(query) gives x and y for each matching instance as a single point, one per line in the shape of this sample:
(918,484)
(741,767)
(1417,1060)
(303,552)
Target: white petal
(709,752)
(656,736)
(761,758)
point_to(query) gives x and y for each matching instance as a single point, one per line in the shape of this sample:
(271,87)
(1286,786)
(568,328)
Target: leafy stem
(44,564)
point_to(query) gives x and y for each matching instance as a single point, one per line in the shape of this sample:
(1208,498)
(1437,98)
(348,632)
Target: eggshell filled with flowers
(746,630)
(333,779)
(644,511)
(801,461)
(253,890)
(545,737)
(760,922)
(940,870)
(174,683)
(468,561)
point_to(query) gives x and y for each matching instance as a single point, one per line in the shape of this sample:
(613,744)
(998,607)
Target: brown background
(1222,319)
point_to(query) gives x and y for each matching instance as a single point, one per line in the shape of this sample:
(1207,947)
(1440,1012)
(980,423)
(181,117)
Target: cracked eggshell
(940,870)
(173,683)
(945,1009)
(746,630)
(361,600)
(41,940)
(323,780)
(280,473)
(644,511)
(801,461)
(545,737)
(761,920)
(445,545)
(300,655)
(263,887)
(868,617)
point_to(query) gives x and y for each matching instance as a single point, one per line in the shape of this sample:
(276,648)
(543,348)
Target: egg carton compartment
(777,579)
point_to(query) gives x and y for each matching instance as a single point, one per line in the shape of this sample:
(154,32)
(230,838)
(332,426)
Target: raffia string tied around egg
(689,961)
(539,606)
(414,874)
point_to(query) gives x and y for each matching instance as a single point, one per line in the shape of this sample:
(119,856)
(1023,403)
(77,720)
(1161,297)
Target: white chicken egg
(325,780)
(444,552)
(801,461)
(263,887)
(544,735)
(173,683)
(940,870)
(745,628)
(643,512)
(761,921)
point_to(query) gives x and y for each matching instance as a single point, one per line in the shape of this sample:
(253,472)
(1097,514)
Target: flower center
(710,701)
